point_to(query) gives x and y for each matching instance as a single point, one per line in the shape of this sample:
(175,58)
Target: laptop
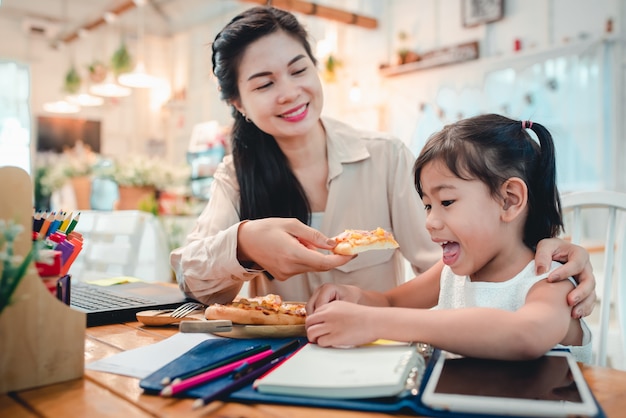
(120,302)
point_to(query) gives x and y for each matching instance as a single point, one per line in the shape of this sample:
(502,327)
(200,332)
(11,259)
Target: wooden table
(100,394)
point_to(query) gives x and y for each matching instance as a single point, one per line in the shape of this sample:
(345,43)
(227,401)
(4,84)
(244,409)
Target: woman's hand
(577,265)
(286,247)
(340,324)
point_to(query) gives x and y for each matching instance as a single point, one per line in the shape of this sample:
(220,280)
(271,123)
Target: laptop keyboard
(94,298)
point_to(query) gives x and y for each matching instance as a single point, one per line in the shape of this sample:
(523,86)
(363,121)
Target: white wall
(389,103)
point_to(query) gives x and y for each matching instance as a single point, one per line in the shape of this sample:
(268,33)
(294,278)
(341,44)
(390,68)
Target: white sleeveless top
(460,292)
(316,220)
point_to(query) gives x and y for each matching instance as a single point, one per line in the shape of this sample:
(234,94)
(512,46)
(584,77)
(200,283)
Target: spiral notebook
(370,371)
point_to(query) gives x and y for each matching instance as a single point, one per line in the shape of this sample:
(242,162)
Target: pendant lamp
(109,88)
(139,78)
(61,106)
(85,99)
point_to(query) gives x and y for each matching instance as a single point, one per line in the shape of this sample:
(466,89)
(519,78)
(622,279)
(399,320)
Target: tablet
(551,385)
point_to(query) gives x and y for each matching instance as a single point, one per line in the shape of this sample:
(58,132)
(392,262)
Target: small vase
(131,197)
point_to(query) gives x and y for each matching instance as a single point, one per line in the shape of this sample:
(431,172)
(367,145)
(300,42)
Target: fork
(185,309)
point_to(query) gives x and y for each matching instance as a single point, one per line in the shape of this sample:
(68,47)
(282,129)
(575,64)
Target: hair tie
(527,122)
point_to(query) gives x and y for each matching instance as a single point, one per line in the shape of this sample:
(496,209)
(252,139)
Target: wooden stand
(41,339)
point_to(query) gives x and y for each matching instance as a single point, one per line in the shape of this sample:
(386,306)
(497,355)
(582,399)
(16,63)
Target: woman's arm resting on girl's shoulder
(577,265)
(286,247)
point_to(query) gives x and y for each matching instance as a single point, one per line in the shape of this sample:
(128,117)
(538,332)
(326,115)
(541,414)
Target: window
(15,117)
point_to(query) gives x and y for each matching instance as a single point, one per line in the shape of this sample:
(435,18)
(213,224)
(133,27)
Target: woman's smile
(296,115)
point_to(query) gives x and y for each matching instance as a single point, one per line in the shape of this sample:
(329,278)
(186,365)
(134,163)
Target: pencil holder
(41,339)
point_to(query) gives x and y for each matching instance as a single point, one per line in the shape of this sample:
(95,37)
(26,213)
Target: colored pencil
(240,381)
(203,378)
(46,225)
(250,371)
(73,223)
(38,219)
(66,222)
(54,225)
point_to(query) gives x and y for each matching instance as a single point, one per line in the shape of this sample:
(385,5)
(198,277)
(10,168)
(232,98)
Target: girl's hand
(329,292)
(286,247)
(340,324)
(577,265)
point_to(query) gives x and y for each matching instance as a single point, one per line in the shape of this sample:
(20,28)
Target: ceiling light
(109,88)
(138,78)
(61,106)
(85,99)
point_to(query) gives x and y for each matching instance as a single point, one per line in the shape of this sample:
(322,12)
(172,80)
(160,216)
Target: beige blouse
(370,184)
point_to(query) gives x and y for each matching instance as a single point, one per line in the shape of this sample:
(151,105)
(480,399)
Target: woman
(294,179)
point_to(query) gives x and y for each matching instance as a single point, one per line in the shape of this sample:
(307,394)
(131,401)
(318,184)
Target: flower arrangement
(14,267)
(142,171)
(54,170)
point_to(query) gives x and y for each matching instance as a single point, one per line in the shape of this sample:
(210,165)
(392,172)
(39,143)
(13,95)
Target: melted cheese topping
(272,303)
(361,237)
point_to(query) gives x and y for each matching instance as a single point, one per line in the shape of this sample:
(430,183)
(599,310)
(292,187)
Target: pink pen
(202,378)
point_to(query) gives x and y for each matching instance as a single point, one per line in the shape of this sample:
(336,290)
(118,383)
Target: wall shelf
(436,58)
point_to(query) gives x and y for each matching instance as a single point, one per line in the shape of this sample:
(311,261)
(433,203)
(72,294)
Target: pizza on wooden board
(263,310)
(354,241)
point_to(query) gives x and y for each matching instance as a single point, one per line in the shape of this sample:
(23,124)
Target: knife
(215,325)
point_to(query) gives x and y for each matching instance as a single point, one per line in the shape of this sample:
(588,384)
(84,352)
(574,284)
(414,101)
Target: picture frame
(477,12)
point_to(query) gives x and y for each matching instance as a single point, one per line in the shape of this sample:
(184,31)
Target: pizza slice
(354,241)
(263,310)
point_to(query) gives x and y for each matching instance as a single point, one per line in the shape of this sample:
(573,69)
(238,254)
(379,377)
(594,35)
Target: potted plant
(121,60)
(74,166)
(72,81)
(97,71)
(140,177)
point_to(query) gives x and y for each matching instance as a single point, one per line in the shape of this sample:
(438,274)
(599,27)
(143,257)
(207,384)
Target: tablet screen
(551,384)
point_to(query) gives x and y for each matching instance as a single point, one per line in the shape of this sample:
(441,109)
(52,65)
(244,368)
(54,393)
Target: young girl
(490,196)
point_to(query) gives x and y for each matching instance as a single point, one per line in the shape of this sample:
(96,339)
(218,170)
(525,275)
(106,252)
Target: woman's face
(279,87)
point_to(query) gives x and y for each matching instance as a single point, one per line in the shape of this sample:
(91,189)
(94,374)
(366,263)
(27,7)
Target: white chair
(587,217)
(111,243)
(122,243)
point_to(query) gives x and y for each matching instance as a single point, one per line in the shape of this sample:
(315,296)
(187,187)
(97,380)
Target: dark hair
(268,186)
(493,148)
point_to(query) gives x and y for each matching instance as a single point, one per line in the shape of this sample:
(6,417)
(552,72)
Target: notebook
(119,303)
(370,371)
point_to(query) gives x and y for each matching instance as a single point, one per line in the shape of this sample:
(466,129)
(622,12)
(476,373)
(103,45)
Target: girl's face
(464,218)
(279,88)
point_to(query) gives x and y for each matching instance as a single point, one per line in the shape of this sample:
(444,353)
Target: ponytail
(544,215)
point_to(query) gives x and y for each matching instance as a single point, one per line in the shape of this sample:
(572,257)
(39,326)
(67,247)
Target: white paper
(143,361)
